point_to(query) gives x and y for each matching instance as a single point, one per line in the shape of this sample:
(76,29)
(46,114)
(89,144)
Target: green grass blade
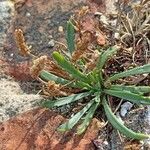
(126,95)
(70,37)
(116,123)
(74,120)
(87,118)
(64,100)
(105,56)
(45,75)
(135,71)
(67,66)
(132,88)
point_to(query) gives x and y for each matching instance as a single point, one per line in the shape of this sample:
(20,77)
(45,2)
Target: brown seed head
(38,66)
(20,41)
(82,46)
(55,69)
(55,89)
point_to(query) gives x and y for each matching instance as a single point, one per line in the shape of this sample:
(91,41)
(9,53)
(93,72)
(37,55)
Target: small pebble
(11,55)
(104,19)
(117,36)
(105,143)
(28,14)
(50,36)
(125,108)
(51,43)
(61,29)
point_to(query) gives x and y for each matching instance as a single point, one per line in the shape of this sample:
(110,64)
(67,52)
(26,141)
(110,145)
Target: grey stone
(51,43)
(6,13)
(14,101)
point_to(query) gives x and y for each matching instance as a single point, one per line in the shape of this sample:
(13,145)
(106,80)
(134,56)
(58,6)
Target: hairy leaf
(64,100)
(68,66)
(58,80)
(88,118)
(132,88)
(126,95)
(74,120)
(70,37)
(116,123)
(105,56)
(45,75)
(135,71)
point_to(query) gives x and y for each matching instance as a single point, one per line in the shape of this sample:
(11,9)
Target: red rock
(20,71)
(101,40)
(96,5)
(36,129)
(88,23)
(41,19)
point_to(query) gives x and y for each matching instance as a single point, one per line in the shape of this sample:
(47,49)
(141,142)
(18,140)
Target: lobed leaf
(132,88)
(68,66)
(135,71)
(64,100)
(74,120)
(70,37)
(135,98)
(116,123)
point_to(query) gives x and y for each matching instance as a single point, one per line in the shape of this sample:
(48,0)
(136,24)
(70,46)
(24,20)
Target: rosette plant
(84,81)
(93,84)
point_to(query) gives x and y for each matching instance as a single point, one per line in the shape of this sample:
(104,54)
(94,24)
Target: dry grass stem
(93,61)
(82,47)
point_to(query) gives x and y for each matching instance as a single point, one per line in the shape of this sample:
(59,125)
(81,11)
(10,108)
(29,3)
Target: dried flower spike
(82,46)
(55,69)
(54,89)
(38,66)
(23,48)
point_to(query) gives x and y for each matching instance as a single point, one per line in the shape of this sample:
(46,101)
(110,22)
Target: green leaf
(88,118)
(69,67)
(83,85)
(51,77)
(64,100)
(74,120)
(132,88)
(58,80)
(70,37)
(93,76)
(116,123)
(135,71)
(104,57)
(126,95)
